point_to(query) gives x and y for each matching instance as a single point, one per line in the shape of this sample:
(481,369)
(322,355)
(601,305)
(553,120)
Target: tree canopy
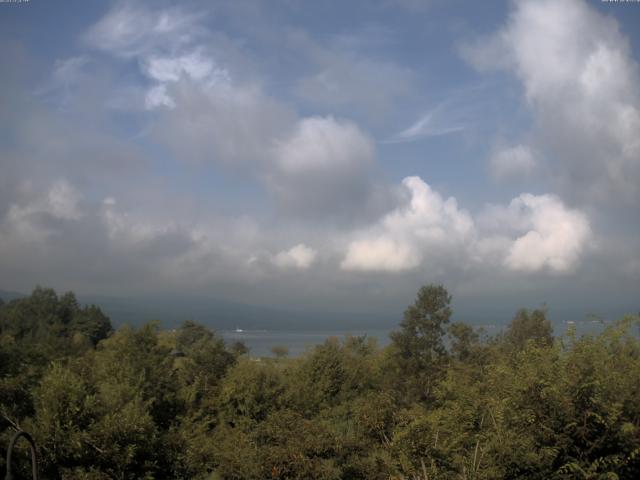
(439,402)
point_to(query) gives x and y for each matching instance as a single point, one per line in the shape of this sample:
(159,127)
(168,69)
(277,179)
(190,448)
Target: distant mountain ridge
(8,295)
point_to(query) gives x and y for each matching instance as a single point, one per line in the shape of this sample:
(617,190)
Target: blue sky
(324,156)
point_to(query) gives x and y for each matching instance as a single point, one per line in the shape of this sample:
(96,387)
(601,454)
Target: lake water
(260,342)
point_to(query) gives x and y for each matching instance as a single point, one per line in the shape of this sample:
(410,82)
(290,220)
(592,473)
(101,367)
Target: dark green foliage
(91,323)
(44,321)
(145,403)
(419,353)
(463,340)
(529,327)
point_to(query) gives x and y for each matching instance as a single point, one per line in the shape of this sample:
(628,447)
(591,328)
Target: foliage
(418,352)
(437,403)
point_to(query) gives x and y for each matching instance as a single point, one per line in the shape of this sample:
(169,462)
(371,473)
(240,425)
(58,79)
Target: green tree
(418,351)
(529,326)
(91,322)
(463,340)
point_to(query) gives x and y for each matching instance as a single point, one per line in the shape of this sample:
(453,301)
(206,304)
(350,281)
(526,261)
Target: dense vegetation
(438,403)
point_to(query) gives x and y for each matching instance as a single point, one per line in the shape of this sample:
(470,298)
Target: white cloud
(425,228)
(539,233)
(299,256)
(556,239)
(130,30)
(324,144)
(583,85)
(512,161)
(381,254)
(168,45)
(323,165)
(170,68)
(532,234)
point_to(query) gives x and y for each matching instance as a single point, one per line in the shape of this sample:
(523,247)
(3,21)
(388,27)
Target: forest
(441,401)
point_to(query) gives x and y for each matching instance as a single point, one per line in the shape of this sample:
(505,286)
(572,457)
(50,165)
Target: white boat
(239,330)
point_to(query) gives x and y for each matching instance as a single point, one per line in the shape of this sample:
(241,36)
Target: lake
(260,342)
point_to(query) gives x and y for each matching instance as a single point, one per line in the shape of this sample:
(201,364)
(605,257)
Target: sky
(324,157)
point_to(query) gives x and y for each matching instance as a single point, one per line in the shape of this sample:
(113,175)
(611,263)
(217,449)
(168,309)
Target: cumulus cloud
(512,162)
(380,254)
(539,233)
(533,233)
(323,165)
(324,143)
(424,228)
(583,86)
(299,256)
